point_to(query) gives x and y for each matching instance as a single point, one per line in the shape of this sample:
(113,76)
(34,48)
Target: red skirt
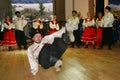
(89,35)
(99,36)
(9,38)
(52,31)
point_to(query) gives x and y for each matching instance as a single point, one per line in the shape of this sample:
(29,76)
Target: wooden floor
(78,64)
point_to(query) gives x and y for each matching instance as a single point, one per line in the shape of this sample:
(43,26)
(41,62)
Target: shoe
(109,48)
(101,47)
(94,47)
(34,72)
(86,46)
(72,46)
(58,65)
(25,47)
(10,48)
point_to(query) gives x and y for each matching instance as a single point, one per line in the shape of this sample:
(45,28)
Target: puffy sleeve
(52,26)
(41,25)
(6,26)
(108,19)
(57,27)
(99,23)
(89,23)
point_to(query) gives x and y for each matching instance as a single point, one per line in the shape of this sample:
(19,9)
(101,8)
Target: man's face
(37,38)
(106,11)
(18,15)
(73,14)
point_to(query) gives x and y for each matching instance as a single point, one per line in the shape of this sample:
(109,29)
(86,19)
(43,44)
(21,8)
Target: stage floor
(78,64)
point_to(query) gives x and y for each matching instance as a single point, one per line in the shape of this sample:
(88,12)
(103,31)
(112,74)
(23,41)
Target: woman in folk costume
(54,26)
(9,38)
(48,50)
(89,33)
(38,25)
(99,29)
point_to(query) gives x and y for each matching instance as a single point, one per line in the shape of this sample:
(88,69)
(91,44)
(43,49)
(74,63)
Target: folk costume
(99,31)
(54,26)
(20,23)
(89,33)
(9,37)
(48,52)
(38,26)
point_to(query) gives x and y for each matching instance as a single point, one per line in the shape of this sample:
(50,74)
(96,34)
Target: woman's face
(37,38)
(7,17)
(100,15)
(54,18)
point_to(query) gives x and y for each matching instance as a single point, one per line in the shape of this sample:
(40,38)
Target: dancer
(107,35)
(38,25)
(89,33)
(20,23)
(47,51)
(9,37)
(99,30)
(72,26)
(54,26)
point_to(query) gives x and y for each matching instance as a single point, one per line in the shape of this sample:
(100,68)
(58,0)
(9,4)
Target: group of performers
(47,50)
(95,31)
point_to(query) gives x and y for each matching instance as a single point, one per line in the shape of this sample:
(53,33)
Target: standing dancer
(89,33)
(9,37)
(99,29)
(54,26)
(20,23)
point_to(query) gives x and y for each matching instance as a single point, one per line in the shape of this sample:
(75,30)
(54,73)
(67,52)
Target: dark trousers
(50,53)
(77,39)
(107,37)
(20,38)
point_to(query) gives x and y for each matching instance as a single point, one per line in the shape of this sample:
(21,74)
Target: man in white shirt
(107,34)
(20,23)
(34,50)
(72,23)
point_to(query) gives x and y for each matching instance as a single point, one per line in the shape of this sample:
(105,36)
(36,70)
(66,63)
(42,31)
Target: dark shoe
(19,47)
(86,46)
(72,46)
(25,47)
(109,48)
(101,47)
(10,49)
(94,47)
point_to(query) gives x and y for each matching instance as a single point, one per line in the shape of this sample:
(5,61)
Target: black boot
(10,48)
(109,47)
(101,47)
(94,47)
(86,46)
(25,47)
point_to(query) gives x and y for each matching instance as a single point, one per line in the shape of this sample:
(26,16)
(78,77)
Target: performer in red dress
(38,25)
(9,38)
(99,29)
(89,34)
(54,26)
